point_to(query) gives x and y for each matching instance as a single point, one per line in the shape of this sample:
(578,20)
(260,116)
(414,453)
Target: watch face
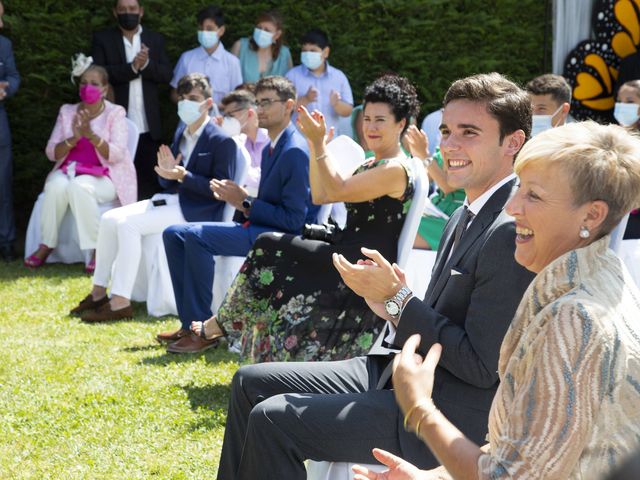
(392,308)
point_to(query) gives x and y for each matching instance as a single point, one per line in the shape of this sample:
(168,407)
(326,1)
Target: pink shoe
(35,262)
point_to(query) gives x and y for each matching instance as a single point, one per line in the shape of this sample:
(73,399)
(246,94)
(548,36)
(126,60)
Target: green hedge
(431,41)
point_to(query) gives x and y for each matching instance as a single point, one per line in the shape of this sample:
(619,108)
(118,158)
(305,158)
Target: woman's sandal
(91,266)
(215,337)
(34,261)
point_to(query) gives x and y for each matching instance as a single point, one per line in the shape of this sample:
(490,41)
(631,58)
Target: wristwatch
(394,305)
(247,202)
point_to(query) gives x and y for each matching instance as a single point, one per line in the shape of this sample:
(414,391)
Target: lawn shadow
(211,397)
(214,400)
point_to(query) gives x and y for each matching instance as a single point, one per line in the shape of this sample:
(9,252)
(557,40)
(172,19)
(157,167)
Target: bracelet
(100,142)
(430,411)
(426,161)
(66,142)
(321,157)
(412,409)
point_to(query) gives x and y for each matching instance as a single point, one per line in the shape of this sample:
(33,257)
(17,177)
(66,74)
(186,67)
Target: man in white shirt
(137,63)
(210,57)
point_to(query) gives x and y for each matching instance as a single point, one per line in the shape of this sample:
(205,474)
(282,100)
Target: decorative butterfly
(592,66)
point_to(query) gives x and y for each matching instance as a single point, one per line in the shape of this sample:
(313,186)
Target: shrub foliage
(430,41)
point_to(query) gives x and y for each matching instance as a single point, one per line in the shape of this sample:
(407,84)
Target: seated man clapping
(200,152)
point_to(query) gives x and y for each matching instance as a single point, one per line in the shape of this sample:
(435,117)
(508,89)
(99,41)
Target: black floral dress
(289,303)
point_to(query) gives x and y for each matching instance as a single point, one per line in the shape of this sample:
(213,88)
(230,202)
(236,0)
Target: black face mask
(129,21)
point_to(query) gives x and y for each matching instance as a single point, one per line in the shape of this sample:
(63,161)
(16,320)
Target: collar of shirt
(195,135)
(323,74)
(134,40)
(262,138)
(275,141)
(217,54)
(479,202)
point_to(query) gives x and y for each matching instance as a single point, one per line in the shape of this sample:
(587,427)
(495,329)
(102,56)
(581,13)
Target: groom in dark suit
(137,63)
(283,413)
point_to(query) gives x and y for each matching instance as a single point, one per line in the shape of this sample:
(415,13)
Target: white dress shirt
(135,111)
(189,140)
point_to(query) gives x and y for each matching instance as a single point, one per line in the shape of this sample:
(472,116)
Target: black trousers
(281,414)
(145,160)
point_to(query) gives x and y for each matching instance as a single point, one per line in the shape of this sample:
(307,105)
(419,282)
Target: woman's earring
(584,232)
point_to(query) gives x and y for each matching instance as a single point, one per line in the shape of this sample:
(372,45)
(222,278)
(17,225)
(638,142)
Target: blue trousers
(189,249)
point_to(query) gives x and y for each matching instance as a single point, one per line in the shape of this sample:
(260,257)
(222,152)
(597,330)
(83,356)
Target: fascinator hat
(79,64)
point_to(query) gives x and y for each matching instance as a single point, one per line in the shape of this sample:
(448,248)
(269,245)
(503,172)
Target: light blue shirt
(331,79)
(222,68)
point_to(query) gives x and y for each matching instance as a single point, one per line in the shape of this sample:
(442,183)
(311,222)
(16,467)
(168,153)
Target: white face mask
(262,38)
(540,123)
(207,38)
(189,111)
(626,113)
(231,126)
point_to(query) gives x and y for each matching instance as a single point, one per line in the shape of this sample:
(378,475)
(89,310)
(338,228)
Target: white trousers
(120,240)
(82,194)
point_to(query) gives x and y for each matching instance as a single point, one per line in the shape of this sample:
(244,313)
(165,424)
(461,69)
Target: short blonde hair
(602,163)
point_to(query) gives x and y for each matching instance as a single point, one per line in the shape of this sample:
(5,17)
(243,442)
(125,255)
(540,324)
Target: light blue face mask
(189,111)
(311,60)
(207,38)
(626,113)
(262,38)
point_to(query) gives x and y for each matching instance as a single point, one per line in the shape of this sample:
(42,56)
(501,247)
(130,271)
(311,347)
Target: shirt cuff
(146,64)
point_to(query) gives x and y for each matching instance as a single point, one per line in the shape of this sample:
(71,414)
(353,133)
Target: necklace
(100,110)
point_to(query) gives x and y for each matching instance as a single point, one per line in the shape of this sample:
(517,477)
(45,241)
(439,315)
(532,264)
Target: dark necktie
(465,218)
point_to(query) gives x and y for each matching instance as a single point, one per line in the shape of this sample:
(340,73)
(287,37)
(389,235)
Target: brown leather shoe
(88,303)
(192,344)
(105,314)
(172,336)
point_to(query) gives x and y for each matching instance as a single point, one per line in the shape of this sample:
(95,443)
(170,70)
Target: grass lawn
(100,401)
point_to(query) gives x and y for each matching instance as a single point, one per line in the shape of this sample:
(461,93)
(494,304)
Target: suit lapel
(443,253)
(204,136)
(480,223)
(118,41)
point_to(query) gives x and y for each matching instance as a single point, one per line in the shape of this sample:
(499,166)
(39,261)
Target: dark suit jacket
(8,73)
(283,194)
(214,156)
(468,313)
(107,49)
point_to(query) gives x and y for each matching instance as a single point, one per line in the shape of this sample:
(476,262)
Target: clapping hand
(141,58)
(334,98)
(169,166)
(311,95)
(228,191)
(399,469)
(313,126)
(3,90)
(81,125)
(417,142)
(412,377)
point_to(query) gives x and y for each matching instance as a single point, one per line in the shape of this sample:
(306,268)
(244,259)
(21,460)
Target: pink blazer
(110,125)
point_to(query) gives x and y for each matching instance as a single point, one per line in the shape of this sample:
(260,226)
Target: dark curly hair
(398,93)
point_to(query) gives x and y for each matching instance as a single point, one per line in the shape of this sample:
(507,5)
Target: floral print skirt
(289,303)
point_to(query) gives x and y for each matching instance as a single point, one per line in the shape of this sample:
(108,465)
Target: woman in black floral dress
(288,302)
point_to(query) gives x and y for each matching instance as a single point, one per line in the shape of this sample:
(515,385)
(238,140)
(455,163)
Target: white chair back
(243,161)
(412,220)
(348,156)
(132,138)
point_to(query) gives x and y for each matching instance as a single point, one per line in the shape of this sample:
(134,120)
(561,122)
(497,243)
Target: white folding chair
(342,470)
(153,283)
(348,156)
(68,248)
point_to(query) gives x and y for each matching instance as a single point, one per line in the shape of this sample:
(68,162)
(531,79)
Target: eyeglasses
(267,102)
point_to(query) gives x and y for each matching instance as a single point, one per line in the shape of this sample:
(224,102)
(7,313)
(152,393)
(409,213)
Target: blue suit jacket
(214,156)
(8,73)
(284,201)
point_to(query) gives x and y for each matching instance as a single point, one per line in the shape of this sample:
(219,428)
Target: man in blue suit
(283,205)
(201,151)
(9,82)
